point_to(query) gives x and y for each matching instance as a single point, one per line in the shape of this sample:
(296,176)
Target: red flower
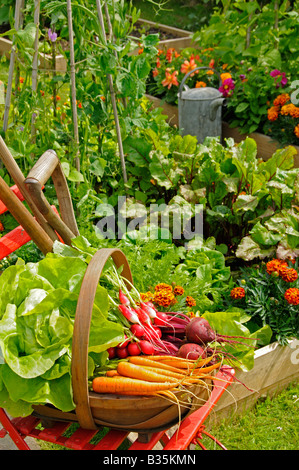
(288,274)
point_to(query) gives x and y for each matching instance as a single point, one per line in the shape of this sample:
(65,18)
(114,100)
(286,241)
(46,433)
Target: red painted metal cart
(38,227)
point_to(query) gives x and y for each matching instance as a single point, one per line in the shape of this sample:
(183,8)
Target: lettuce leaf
(37,314)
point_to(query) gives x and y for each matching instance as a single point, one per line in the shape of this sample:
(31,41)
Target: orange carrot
(205,370)
(142,373)
(112,373)
(181,362)
(126,385)
(142,360)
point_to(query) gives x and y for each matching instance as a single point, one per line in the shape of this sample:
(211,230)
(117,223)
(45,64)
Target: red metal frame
(189,431)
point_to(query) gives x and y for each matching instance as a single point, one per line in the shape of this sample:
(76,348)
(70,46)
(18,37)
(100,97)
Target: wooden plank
(274,368)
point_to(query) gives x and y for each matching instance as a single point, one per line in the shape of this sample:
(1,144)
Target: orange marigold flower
(296,131)
(190,301)
(163,286)
(282,99)
(288,274)
(273,113)
(237,293)
(178,290)
(21,79)
(225,76)
(164,298)
(275,265)
(290,110)
(292,296)
(200,84)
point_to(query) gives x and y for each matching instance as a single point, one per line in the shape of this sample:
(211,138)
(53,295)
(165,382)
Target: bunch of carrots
(154,375)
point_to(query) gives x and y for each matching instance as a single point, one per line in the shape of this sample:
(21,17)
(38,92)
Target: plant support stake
(113,99)
(35,62)
(73,82)
(11,67)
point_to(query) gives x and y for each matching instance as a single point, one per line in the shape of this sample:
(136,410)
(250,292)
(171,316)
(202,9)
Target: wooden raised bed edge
(275,367)
(265,145)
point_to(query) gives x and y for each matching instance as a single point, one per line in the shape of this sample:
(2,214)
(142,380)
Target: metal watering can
(200,109)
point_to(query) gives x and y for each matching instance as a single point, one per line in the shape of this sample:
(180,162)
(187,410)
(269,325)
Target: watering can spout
(214,106)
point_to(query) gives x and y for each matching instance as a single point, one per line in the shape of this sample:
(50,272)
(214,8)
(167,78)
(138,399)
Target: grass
(272,424)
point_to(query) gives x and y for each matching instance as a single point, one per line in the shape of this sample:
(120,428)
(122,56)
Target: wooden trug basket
(93,410)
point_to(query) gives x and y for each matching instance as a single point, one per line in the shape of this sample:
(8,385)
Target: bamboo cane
(35,61)
(11,68)
(73,83)
(113,97)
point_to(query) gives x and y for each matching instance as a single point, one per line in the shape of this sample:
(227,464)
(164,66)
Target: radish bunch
(145,327)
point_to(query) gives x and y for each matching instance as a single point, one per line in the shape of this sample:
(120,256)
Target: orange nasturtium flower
(170,79)
(292,296)
(237,293)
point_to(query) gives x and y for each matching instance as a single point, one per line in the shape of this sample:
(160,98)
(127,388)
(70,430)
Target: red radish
(142,316)
(123,298)
(161,319)
(148,309)
(124,343)
(122,353)
(111,353)
(146,347)
(137,330)
(191,351)
(158,331)
(129,314)
(134,349)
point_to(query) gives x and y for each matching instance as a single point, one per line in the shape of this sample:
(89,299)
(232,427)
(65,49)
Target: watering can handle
(192,71)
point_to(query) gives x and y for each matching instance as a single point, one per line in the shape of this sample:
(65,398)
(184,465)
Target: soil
(163,35)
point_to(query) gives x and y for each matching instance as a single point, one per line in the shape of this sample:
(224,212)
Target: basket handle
(82,328)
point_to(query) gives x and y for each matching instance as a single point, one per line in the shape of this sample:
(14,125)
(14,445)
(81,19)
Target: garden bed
(274,368)
(45,60)
(265,145)
(169,36)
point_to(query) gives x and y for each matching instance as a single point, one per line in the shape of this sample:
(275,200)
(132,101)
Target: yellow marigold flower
(281,100)
(275,265)
(237,293)
(190,301)
(147,296)
(178,290)
(292,296)
(288,274)
(163,286)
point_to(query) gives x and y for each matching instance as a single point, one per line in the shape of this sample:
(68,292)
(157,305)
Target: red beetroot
(191,351)
(200,331)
